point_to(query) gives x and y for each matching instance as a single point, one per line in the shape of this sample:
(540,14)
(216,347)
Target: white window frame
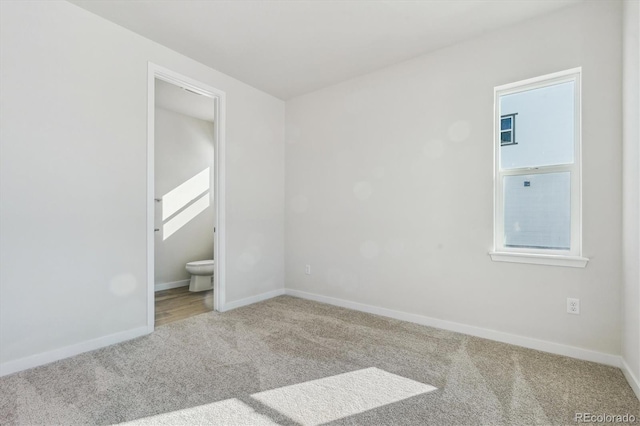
(573,256)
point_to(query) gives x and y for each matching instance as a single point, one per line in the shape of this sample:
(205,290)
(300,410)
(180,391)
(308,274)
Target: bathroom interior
(184,202)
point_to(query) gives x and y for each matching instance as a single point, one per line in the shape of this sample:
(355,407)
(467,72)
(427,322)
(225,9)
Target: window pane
(544,127)
(537,211)
(505,123)
(505,137)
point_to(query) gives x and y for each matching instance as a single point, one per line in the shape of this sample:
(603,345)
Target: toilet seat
(202,263)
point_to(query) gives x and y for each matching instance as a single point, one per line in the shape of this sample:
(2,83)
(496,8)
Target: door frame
(219,97)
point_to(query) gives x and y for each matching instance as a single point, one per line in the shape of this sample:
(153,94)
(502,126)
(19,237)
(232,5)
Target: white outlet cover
(573,306)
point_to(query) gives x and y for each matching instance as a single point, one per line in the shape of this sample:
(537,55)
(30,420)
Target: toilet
(201,275)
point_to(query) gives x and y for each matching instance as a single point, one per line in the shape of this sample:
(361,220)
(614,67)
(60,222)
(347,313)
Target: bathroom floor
(179,303)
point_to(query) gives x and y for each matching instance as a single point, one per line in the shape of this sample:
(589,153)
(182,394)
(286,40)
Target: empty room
(319,212)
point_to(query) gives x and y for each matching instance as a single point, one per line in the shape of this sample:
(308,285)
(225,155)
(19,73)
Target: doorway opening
(185,197)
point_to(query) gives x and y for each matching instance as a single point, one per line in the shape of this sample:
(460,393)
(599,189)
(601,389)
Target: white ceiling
(176,99)
(291,47)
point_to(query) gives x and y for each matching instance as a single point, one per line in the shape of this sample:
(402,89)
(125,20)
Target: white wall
(389,185)
(631,191)
(73,180)
(183,149)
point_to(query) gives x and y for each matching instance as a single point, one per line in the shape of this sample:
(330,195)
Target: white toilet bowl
(201,275)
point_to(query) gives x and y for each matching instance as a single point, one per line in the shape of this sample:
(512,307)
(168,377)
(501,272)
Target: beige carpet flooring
(270,363)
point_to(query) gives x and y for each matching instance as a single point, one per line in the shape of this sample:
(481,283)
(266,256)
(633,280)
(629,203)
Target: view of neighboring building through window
(538,175)
(508,129)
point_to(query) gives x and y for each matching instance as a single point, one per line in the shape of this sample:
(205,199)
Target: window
(508,129)
(537,177)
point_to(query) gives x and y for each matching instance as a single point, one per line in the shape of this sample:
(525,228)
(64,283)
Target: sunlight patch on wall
(185,216)
(180,196)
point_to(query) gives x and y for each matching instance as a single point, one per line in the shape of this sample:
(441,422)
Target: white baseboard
(499,336)
(631,378)
(253,299)
(32,361)
(173,284)
(17,365)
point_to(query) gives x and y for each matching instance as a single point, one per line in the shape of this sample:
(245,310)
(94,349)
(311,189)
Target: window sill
(540,259)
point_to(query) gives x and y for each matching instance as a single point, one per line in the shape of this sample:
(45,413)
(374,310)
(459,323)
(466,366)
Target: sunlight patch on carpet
(310,403)
(331,398)
(230,412)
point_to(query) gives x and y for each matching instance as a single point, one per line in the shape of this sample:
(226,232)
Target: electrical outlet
(307,269)
(573,306)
